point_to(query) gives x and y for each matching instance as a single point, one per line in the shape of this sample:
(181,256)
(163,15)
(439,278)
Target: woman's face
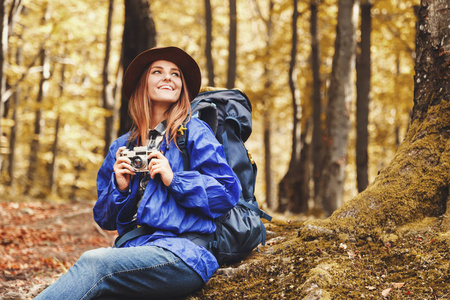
(164,82)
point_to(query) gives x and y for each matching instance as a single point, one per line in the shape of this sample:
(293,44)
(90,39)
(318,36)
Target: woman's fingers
(122,170)
(160,165)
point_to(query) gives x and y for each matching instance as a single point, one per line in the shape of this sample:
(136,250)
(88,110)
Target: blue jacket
(190,204)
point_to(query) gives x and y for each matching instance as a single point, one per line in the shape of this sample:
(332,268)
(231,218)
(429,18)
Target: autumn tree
(363,72)
(208,43)
(42,94)
(108,94)
(139,34)
(338,113)
(232,46)
(293,188)
(416,183)
(316,143)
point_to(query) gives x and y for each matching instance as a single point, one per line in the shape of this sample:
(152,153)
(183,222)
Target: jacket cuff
(122,194)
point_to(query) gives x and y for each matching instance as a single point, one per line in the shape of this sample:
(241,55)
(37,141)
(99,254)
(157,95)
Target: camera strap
(133,233)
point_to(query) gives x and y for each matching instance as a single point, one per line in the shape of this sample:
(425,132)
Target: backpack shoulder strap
(181,141)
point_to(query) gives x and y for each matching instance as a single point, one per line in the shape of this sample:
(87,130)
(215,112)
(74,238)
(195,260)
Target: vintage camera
(138,157)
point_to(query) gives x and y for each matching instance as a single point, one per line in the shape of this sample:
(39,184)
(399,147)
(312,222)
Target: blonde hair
(140,108)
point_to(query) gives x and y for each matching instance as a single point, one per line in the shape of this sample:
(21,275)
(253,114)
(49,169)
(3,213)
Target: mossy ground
(410,264)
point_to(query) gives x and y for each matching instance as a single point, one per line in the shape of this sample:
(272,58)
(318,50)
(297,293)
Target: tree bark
(3,52)
(267,116)
(270,200)
(317,101)
(139,34)
(42,93)
(416,183)
(292,195)
(208,43)
(35,143)
(338,115)
(53,183)
(108,88)
(13,135)
(363,77)
(232,46)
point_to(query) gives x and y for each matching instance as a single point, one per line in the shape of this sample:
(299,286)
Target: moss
(342,266)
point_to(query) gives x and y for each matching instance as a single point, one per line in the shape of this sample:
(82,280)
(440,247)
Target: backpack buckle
(181,130)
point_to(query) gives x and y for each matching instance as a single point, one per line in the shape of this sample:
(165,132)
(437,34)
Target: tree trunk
(35,143)
(13,136)
(208,43)
(3,51)
(42,93)
(362,100)
(53,183)
(416,183)
(270,200)
(232,46)
(317,101)
(338,115)
(267,116)
(139,34)
(291,194)
(108,88)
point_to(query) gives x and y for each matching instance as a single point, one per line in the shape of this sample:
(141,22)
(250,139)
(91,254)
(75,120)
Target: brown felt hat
(184,61)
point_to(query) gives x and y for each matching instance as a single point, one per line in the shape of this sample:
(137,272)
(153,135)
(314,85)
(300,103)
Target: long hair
(140,108)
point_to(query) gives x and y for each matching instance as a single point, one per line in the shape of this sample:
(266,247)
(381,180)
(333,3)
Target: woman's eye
(156,72)
(176,74)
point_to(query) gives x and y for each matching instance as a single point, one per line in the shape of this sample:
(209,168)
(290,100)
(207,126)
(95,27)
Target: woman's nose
(167,77)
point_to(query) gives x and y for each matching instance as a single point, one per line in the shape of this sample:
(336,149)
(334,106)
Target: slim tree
(108,90)
(3,51)
(139,34)
(13,135)
(42,93)
(271,201)
(293,193)
(316,99)
(208,43)
(232,46)
(363,72)
(338,114)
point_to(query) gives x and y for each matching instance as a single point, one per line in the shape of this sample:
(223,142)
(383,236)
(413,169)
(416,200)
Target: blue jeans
(145,272)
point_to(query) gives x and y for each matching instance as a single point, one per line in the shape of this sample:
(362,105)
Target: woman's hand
(160,165)
(123,170)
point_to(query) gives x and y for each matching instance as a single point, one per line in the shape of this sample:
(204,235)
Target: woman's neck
(158,115)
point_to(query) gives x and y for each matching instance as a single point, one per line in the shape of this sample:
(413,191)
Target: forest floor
(39,241)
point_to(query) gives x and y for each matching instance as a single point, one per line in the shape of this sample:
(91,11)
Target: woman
(167,200)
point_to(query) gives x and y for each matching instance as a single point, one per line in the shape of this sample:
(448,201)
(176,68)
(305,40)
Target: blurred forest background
(62,63)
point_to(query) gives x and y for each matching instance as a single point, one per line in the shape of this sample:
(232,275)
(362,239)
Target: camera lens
(137,162)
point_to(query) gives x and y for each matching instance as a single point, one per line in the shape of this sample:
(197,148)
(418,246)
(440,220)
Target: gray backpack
(229,114)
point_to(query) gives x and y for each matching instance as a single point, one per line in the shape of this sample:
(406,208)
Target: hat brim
(184,61)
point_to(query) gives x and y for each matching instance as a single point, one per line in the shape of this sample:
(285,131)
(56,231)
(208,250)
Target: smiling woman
(161,201)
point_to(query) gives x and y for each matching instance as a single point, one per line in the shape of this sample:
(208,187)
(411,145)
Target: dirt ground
(40,241)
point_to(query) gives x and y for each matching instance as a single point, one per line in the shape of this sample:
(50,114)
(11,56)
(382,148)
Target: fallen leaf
(398,285)
(386,292)
(371,288)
